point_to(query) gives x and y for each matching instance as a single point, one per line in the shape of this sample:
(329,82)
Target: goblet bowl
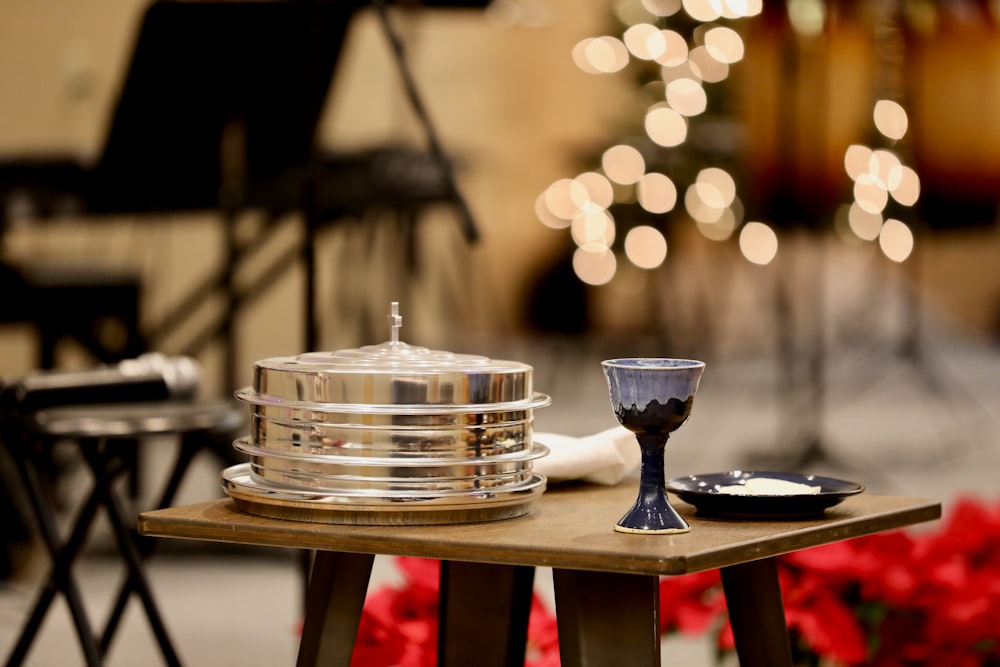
(652,397)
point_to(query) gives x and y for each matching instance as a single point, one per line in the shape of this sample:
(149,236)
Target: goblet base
(652,515)
(651,531)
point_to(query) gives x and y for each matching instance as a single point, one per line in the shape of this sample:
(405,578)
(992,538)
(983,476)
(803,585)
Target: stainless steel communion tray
(380,509)
(370,466)
(392,424)
(397,440)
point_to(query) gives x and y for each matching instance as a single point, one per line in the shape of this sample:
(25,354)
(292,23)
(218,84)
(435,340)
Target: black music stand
(218,112)
(220,100)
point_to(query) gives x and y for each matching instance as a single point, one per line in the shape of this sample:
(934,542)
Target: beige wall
(507,102)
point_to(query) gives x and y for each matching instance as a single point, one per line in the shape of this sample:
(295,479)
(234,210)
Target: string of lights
(690,45)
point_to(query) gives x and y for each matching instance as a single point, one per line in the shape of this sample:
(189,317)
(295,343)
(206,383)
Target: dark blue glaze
(652,397)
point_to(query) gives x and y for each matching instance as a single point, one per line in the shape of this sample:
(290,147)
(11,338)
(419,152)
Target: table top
(570,527)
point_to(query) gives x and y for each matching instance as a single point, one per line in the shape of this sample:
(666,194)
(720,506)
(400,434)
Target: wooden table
(606,582)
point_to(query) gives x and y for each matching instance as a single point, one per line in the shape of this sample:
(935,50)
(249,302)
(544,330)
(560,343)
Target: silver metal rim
(249,395)
(537,451)
(297,481)
(238,482)
(304,423)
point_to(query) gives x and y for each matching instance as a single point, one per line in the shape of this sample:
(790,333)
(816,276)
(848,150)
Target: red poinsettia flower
(690,603)
(894,599)
(820,616)
(816,612)
(399,624)
(379,641)
(543,636)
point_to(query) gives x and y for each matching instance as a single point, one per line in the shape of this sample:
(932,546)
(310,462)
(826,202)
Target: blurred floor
(923,426)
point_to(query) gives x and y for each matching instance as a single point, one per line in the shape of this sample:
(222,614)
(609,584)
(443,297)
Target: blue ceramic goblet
(652,398)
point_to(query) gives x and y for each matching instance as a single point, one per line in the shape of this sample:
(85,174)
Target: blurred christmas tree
(676,162)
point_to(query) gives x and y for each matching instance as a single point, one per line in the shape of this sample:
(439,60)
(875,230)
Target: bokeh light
(623,164)
(703,10)
(699,209)
(645,41)
(724,44)
(870,194)
(857,159)
(681,71)
(716,186)
(890,119)
(656,193)
(896,240)
(563,198)
(548,218)
(864,224)
(686,97)
(906,190)
(675,50)
(706,66)
(806,16)
(594,264)
(881,166)
(593,226)
(584,204)
(600,55)
(662,7)
(598,188)
(734,9)
(665,126)
(758,243)
(645,247)
(720,229)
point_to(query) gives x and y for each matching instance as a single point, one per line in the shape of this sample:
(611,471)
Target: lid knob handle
(395,322)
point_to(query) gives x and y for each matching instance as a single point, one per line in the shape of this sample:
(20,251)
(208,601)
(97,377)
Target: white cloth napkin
(602,458)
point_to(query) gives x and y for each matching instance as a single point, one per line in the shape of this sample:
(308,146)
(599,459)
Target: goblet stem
(652,512)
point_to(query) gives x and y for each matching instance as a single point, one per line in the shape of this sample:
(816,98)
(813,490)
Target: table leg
(607,618)
(483,616)
(336,597)
(753,595)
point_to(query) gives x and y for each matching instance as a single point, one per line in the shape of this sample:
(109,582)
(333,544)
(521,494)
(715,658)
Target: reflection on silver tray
(392,373)
(393,422)
(303,481)
(708,494)
(537,400)
(289,412)
(239,476)
(391,440)
(381,508)
(378,464)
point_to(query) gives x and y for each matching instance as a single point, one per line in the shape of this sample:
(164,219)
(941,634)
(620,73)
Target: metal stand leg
(129,551)
(106,464)
(63,555)
(190,446)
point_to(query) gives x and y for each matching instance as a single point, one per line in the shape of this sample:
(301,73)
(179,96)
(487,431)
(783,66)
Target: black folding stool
(105,436)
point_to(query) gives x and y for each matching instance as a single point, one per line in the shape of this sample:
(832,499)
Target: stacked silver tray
(388,434)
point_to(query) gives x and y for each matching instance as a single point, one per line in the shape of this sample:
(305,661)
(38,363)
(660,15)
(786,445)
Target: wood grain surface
(568,527)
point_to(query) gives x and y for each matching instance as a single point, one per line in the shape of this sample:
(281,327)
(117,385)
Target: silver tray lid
(392,377)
